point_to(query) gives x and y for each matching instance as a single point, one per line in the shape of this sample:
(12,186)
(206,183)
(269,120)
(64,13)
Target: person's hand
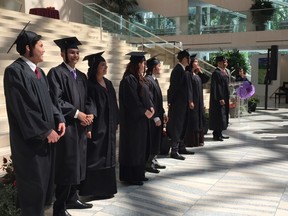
(90,118)
(89,134)
(166,119)
(158,123)
(191,105)
(222,102)
(85,119)
(61,129)
(53,137)
(149,113)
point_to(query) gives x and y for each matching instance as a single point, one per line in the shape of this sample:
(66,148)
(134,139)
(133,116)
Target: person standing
(219,100)
(179,101)
(194,135)
(69,86)
(136,109)
(100,179)
(32,119)
(159,118)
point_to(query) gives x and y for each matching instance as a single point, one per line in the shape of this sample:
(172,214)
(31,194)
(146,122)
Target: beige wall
(169,8)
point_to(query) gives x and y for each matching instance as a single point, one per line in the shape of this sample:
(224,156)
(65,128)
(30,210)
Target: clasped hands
(85,119)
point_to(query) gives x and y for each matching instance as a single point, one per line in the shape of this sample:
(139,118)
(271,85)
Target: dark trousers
(63,193)
(217,133)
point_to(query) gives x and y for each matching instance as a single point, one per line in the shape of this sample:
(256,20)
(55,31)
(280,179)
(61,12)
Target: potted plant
(252,103)
(261,11)
(8,195)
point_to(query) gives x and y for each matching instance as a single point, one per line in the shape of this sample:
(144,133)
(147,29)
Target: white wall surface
(281,75)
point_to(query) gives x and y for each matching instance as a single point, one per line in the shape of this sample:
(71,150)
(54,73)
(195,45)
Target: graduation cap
(220,58)
(137,57)
(182,54)
(193,57)
(25,38)
(153,61)
(68,43)
(97,57)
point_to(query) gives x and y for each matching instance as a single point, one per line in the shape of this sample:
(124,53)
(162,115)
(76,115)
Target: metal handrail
(123,26)
(161,41)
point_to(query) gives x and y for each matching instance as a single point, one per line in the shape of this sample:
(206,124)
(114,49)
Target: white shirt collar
(182,65)
(69,67)
(29,63)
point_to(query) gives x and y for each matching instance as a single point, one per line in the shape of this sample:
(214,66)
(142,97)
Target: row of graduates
(142,115)
(50,119)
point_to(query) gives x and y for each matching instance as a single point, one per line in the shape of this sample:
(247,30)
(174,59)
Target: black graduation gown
(101,149)
(31,117)
(157,100)
(133,128)
(71,95)
(195,118)
(218,115)
(178,100)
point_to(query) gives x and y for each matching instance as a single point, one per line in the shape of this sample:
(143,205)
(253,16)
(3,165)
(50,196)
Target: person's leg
(150,166)
(61,195)
(174,151)
(73,201)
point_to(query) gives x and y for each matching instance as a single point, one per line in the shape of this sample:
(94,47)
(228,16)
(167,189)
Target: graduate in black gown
(69,86)
(194,135)
(34,124)
(159,118)
(219,100)
(136,109)
(100,181)
(179,101)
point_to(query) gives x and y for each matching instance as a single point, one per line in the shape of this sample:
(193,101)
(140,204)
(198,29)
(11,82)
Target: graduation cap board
(97,57)
(24,38)
(137,57)
(193,57)
(67,43)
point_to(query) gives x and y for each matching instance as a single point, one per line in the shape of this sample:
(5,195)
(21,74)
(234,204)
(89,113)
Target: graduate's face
(142,67)
(157,69)
(38,52)
(72,57)
(195,63)
(102,68)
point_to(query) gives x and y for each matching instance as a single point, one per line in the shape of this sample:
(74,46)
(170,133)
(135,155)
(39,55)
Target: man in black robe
(179,101)
(219,100)
(69,86)
(34,123)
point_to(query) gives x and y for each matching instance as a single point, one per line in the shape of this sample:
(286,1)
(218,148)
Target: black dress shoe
(225,137)
(185,151)
(61,213)
(152,169)
(158,166)
(217,138)
(177,156)
(78,205)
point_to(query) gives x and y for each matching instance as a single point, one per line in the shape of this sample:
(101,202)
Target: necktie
(157,82)
(37,73)
(73,72)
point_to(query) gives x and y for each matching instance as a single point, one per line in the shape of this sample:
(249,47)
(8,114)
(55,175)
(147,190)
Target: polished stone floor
(244,175)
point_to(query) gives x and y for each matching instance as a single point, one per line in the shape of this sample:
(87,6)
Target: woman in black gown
(100,179)
(135,110)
